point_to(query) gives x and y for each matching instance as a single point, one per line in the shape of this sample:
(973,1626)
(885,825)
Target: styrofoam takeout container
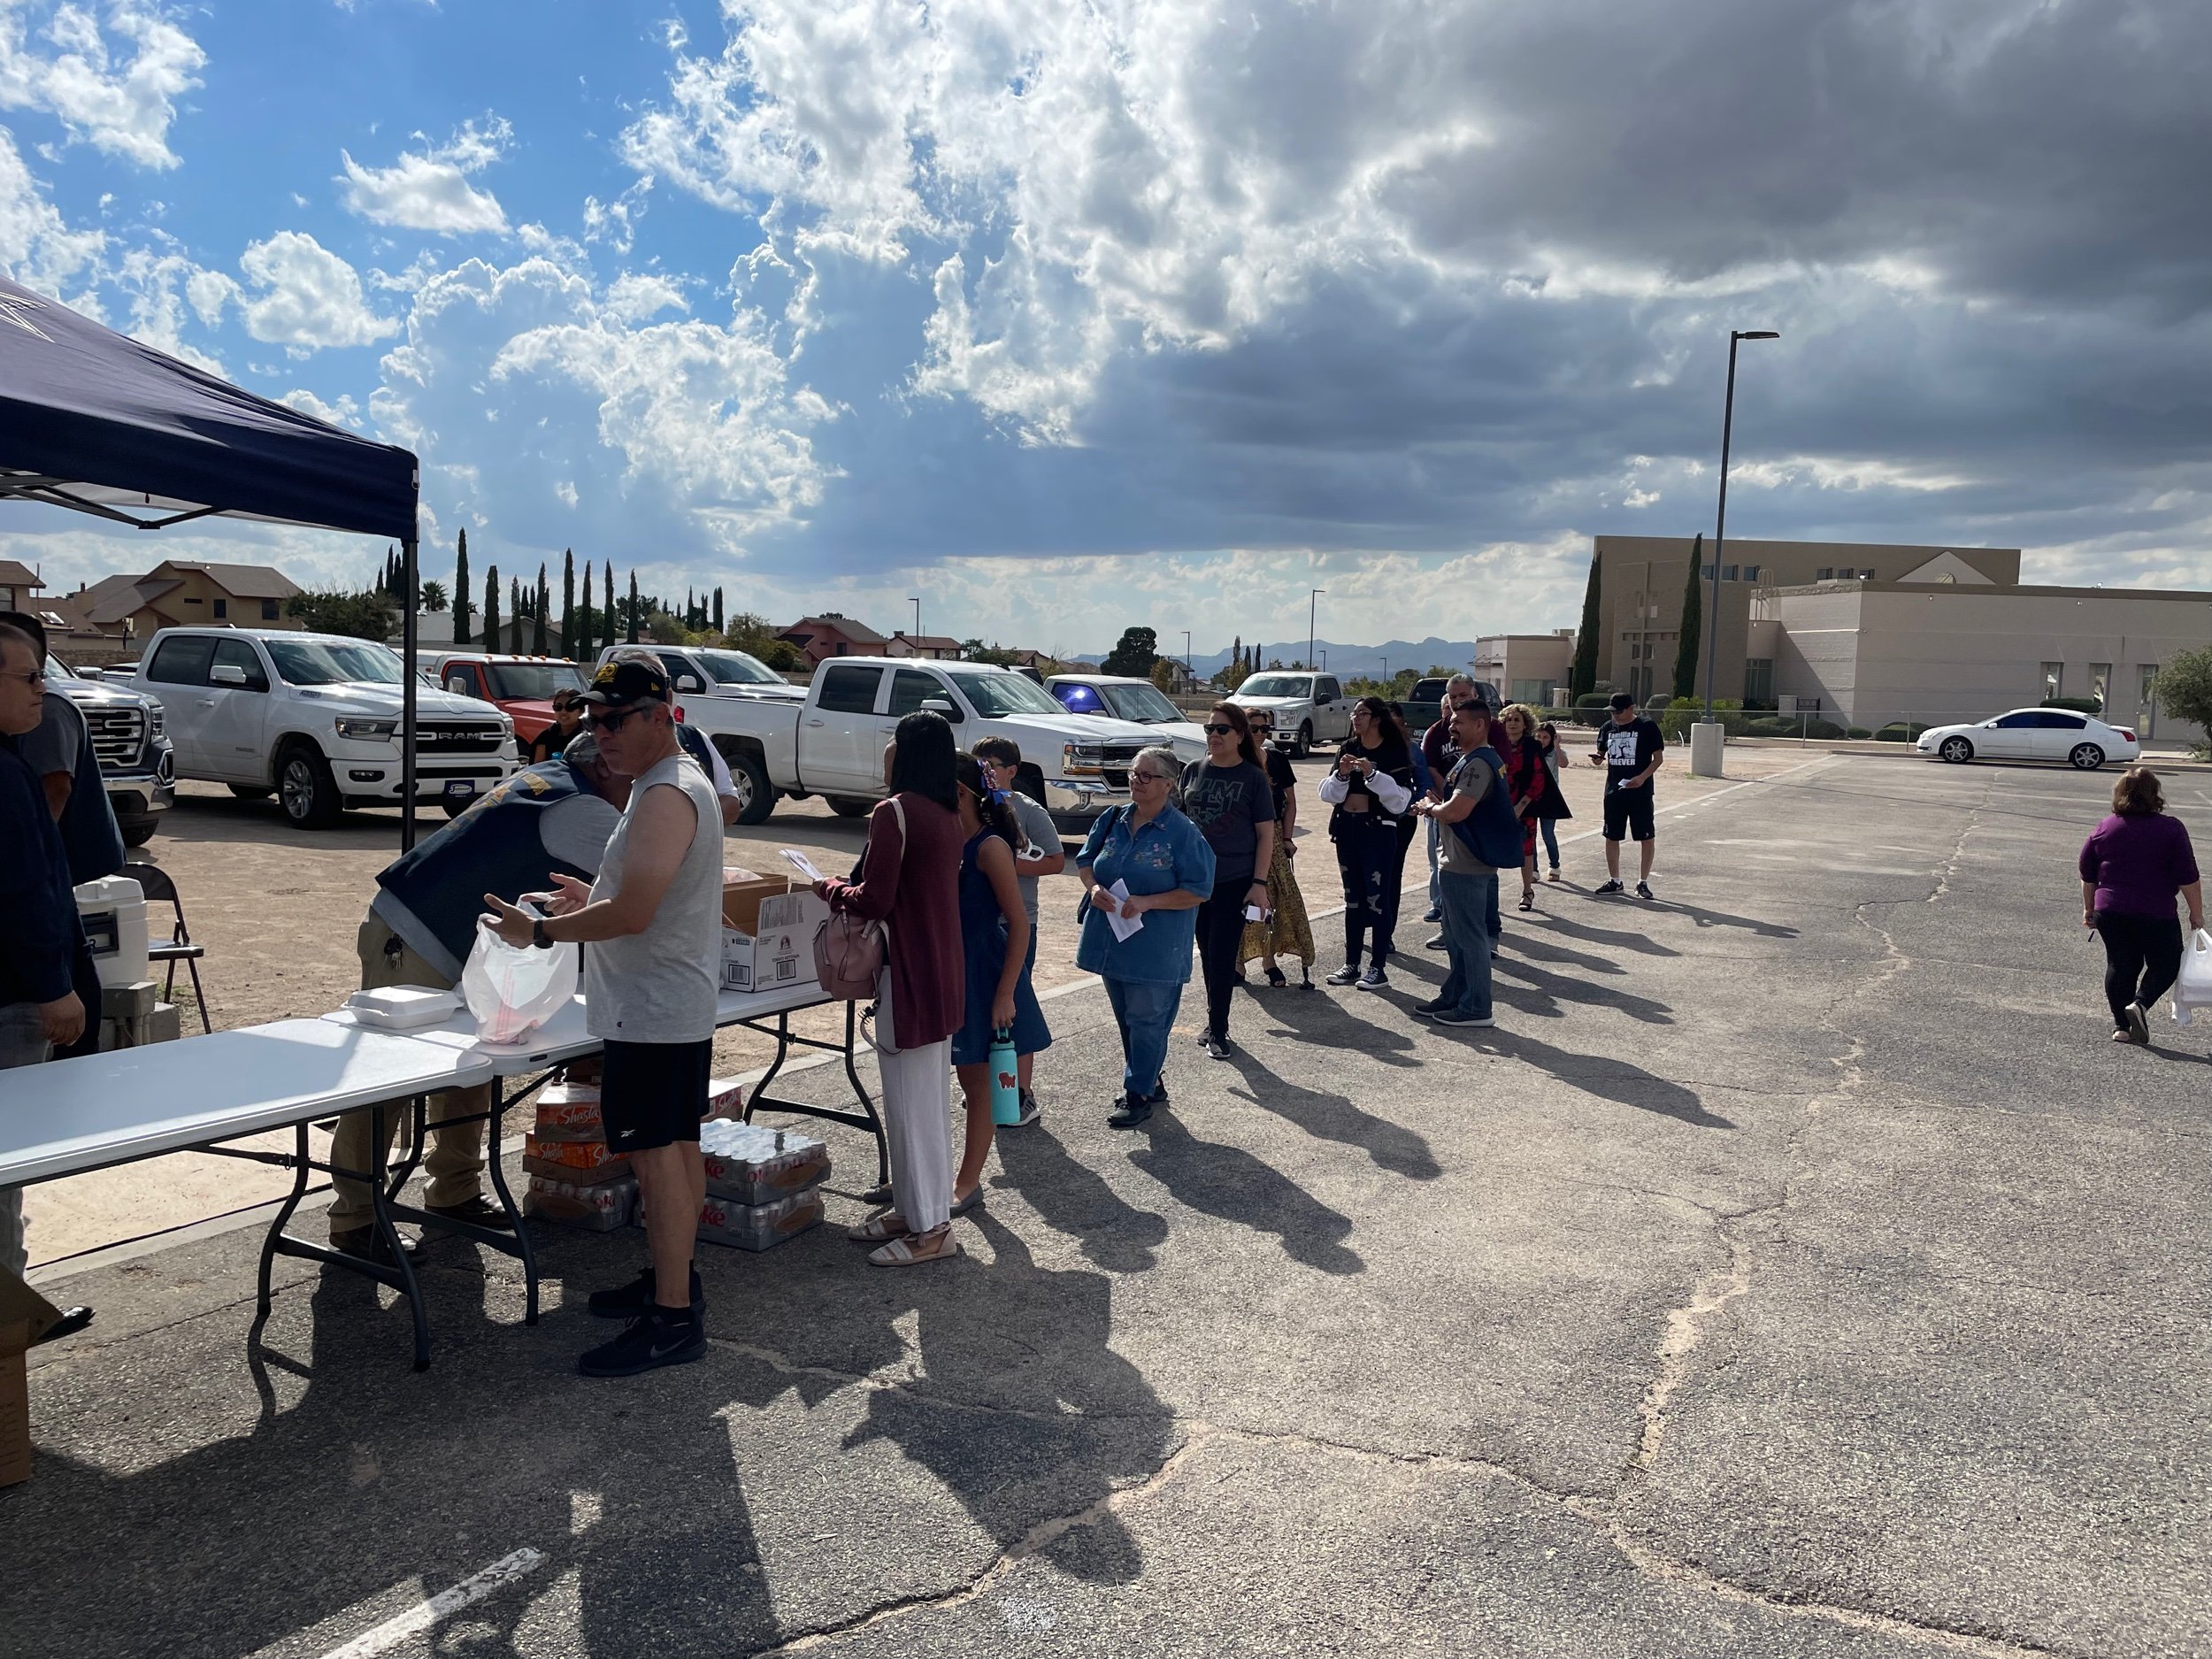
(404,1007)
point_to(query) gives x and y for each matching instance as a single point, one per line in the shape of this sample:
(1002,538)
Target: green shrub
(2078,706)
(1899,732)
(1593,698)
(1860,732)
(1658,705)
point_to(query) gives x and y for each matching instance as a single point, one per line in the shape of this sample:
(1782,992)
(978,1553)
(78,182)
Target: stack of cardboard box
(764,1186)
(767,932)
(573,1179)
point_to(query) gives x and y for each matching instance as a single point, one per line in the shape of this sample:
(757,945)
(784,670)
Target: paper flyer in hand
(1123,926)
(804,865)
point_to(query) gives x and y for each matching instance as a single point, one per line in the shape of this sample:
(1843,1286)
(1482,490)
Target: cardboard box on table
(776,951)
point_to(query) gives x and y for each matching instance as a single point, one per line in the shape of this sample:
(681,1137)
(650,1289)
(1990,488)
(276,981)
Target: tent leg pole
(407,701)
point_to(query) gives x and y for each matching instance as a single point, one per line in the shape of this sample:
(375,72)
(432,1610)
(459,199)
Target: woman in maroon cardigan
(908,879)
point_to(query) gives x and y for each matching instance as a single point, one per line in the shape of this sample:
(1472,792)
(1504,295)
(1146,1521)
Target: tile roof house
(833,635)
(18,585)
(177,592)
(932,645)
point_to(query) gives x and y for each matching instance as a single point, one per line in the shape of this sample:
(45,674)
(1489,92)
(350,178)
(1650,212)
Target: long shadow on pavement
(1072,1198)
(1229,1182)
(1641,944)
(1316,1018)
(1595,1074)
(1328,1117)
(1572,990)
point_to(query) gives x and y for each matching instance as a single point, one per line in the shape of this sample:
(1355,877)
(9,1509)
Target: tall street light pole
(1313,600)
(915,600)
(1188,669)
(1720,524)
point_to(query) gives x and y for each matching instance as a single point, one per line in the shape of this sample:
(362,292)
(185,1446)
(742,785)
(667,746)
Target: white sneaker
(1374,979)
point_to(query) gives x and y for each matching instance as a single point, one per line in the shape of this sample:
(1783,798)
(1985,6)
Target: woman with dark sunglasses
(568,719)
(1371,787)
(1228,797)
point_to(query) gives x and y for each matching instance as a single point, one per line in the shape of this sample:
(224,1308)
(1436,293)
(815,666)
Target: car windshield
(1002,694)
(327,662)
(1276,686)
(1146,705)
(538,681)
(736,668)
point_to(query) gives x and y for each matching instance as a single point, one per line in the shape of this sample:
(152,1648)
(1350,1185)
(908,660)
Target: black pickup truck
(1427,702)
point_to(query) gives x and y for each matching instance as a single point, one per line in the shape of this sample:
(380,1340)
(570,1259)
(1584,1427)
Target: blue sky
(1149,310)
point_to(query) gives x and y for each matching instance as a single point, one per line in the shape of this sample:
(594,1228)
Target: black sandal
(1276,977)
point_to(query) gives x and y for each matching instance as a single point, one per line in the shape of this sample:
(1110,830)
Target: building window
(1728,572)
(1758,679)
(1705,572)
(2100,680)
(2145,704)
(268,611)
(1751,573)
(2053,679)
(222,607)
(1825,573)
(1866,572)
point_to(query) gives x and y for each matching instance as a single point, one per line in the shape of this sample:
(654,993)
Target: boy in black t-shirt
(1631,750)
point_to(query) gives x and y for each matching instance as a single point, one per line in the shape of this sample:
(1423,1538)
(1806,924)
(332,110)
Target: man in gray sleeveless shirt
(651,926)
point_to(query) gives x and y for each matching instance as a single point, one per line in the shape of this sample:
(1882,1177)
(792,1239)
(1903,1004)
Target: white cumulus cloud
(297,294)
(119,102)
(429,189)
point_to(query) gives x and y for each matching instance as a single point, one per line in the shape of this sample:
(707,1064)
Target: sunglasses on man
(611,719)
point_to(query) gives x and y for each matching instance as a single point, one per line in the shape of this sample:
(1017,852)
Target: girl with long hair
(1227,796)
(1530,780)
(994,945)
(1553,807)
(1284,930)
(1371,787)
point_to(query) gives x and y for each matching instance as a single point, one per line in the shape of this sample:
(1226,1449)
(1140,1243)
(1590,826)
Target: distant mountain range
(1338,657)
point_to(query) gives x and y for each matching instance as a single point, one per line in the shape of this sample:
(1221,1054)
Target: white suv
(1309,709)
(313,718)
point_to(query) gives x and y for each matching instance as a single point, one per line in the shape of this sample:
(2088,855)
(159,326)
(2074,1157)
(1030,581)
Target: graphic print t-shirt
(1629,748)
(1228,804)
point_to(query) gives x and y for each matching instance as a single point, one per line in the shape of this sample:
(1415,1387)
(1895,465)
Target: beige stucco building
(1872,652)
(1642,583)
(1528,668)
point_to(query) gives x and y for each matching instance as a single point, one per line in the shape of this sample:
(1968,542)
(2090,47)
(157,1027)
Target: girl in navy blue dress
(994,943)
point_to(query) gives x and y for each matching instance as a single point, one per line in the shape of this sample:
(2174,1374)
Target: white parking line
(423,1615)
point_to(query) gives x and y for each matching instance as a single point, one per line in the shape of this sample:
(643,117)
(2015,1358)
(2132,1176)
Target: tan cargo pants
(454,1166)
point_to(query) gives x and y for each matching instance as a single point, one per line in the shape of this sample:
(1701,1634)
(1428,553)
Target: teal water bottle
(1006,1079)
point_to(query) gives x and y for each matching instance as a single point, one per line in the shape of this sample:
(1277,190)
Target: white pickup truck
(832,744)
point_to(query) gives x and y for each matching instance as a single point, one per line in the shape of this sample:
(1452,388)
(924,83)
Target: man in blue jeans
(1467,887)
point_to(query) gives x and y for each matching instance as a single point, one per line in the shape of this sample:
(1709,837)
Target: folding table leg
(507,1202)
(389,1234)
(860,1093)
(301,1168)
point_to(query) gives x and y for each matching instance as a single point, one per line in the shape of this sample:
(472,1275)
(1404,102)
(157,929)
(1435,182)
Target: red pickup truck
(522,687)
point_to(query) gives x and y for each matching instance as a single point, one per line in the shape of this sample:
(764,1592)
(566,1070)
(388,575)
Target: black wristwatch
(538,935)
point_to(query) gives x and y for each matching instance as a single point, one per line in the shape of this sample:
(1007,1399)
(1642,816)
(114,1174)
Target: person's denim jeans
(22,1043)
(1145,1013)
(1435,854)
(1467,941)
(1549,827)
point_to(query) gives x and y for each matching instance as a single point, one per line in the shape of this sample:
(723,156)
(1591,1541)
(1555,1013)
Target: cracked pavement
(1795,1270)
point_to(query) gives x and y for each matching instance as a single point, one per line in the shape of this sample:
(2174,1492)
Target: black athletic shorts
(1628,813)
(653,1093)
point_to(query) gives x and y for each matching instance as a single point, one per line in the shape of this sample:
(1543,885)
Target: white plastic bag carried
(514,989)
(2193,989)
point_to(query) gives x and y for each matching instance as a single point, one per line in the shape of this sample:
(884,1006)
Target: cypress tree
(537,615)
(606,588)
(1584,674)
(515,603)
(631,634)
(491,609)
(570,644)
(461,592)
(568,598)
(1693,624)
(718,611)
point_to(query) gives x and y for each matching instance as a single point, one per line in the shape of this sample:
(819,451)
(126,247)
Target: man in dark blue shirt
(39,1012)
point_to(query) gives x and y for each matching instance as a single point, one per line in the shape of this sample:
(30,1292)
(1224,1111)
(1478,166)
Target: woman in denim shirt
(1167,869)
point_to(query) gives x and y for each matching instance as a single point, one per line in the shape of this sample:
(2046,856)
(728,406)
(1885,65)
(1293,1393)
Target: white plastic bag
(2193,989)
(514,989)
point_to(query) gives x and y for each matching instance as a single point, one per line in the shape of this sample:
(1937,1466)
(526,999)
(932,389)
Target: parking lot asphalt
(1795,1269)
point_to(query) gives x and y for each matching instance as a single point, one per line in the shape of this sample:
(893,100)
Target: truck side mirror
(944,706)
(225,674)
(689,682)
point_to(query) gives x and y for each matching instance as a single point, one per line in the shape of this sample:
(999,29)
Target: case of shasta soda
(763,1184)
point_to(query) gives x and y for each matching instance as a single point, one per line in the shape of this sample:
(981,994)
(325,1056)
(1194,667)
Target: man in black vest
(555,816)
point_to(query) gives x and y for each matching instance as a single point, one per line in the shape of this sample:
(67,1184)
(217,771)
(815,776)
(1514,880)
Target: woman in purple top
(2131,869)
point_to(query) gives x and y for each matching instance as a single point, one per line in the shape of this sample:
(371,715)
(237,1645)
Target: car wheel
(850,805)
(756,795)
(1305,739)
(251,791)
(2087,756)
(305,788)
(1030,781)
(1957,750)
(137,831)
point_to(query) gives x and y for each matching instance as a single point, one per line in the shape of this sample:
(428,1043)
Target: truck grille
(450,737)
(117,734)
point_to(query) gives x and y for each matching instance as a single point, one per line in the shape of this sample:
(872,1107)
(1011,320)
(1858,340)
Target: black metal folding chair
(157,884)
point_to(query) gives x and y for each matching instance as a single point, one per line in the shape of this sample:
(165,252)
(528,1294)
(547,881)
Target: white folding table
(69,1116)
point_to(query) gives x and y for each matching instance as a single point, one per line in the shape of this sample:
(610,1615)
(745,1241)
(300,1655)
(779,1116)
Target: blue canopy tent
(93,421)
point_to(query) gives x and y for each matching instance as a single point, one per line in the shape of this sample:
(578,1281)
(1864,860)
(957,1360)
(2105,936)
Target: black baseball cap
(618,685)
(1621,700)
